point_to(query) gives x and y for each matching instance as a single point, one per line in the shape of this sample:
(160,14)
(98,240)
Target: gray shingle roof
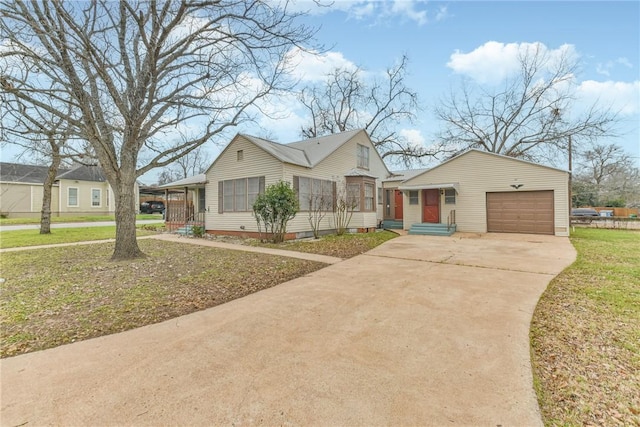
(15,172)
(84,173)
(187,182)
(308,152)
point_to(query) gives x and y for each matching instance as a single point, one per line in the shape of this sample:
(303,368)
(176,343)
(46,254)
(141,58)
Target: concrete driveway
(420,331)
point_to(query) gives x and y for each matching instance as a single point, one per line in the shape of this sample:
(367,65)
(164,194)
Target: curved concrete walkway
(420,331)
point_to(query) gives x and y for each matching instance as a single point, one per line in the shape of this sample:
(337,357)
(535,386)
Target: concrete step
(391,224)
(428,229)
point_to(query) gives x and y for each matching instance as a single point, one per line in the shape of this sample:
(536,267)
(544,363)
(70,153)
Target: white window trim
(77,205)
(99,199)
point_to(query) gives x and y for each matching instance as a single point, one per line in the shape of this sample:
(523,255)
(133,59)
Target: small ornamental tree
(274,209)
(346,203)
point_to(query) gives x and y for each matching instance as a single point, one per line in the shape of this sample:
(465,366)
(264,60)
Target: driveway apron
(419,331)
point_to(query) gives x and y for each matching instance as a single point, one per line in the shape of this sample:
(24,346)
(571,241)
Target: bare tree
(347,202)
(140,75)
(45,137)
(529,114)
(606,174)
(345,101)
(193,163)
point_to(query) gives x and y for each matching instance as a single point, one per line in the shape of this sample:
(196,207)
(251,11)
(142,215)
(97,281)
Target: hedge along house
(344,165)
(481,192)
(82,190)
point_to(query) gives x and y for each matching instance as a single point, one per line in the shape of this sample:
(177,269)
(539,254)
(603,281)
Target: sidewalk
(203,242)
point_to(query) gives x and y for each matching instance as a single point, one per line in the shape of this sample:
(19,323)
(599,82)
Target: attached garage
(530,212)
(484,192)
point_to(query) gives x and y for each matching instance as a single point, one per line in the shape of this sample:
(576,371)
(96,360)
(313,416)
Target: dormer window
(363,156)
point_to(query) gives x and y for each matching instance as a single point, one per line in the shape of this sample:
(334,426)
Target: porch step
(392,224)
(187,230)
(428,229)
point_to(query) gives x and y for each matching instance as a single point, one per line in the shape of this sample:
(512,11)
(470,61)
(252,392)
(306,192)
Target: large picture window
(314,194)
(363,156)
(238,195)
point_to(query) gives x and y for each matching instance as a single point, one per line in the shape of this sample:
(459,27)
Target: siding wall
(479,173)
(15,198)
(84,198)
(256,162)
(334,167)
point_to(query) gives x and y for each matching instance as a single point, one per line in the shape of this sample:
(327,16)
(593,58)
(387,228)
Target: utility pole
(570,175)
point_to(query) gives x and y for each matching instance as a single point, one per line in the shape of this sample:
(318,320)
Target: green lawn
(585,334)
(19,238)
(63,219)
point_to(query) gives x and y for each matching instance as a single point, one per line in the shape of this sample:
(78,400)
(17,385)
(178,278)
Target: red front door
(431,205)
(398,204)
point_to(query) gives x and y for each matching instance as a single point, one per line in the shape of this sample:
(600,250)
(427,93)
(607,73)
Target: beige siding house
(319,169)
(484,192)
(475,191)
(82,190)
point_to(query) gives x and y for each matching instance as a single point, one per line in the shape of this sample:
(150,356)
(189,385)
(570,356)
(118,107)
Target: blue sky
(447,40)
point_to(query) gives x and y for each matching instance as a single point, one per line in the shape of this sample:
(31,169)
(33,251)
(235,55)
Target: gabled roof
(28,174)
(405,174)
(318,149)
(306,153)
(195,180)
(485,153)
(282,152)
(84,173)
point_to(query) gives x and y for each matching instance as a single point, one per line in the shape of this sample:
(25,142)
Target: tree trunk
(45,212)
(125,199)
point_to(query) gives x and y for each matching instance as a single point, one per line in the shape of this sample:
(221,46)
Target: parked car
(152,207)
(584,212)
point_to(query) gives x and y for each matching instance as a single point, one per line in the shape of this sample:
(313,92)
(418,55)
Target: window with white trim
(363,156)
(96,197)
(413,197)
(450,196)
(72,196)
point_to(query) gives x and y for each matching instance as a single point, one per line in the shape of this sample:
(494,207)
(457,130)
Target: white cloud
(310,67)
(413,137)
(605,68)
(620,96)
(493,62)
(378,10)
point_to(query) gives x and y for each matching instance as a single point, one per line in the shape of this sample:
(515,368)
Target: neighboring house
(475,191)
(82,190)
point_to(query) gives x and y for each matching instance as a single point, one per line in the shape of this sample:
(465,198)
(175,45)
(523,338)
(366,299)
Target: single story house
(475,191)
(82,190)
(482,192)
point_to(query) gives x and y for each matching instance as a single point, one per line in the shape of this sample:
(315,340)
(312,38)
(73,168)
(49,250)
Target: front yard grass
(20,238)
(54,296)
(66,219)
(585,334)
(345,246)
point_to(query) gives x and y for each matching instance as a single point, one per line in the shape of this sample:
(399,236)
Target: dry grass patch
(586,334)
(56,296)
(345,246)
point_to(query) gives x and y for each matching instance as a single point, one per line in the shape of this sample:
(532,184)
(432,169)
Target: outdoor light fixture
(517,186)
